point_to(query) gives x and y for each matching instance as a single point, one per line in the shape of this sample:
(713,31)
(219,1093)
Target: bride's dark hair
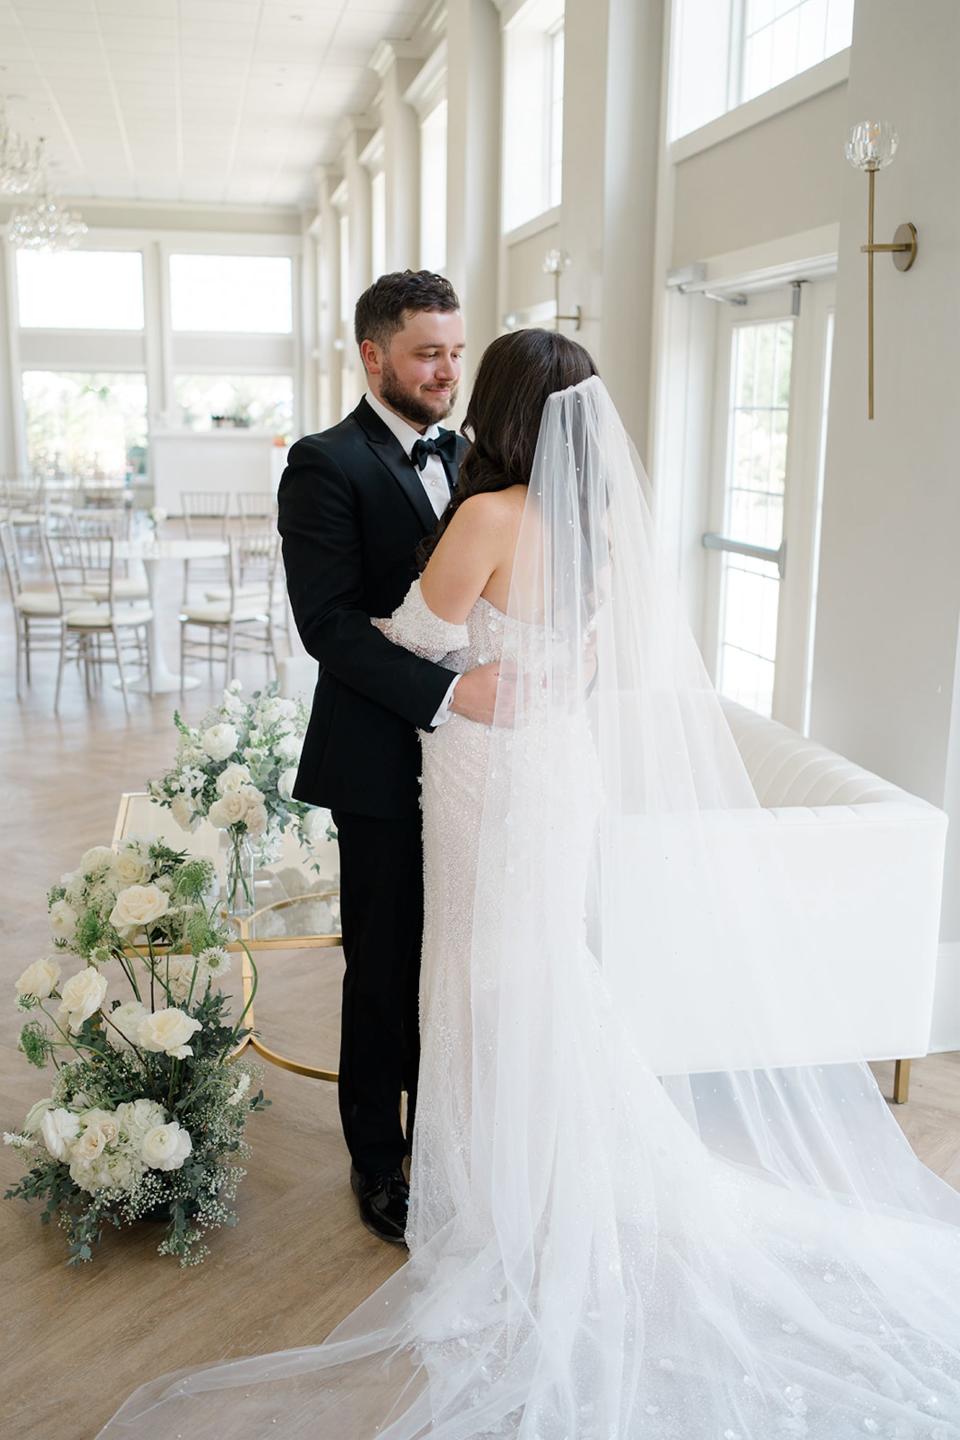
(516,374)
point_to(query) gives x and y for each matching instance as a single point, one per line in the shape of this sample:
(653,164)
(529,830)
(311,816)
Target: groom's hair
(383,308)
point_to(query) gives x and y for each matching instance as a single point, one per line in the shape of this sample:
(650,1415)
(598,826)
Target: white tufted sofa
(869,856)
(878,852)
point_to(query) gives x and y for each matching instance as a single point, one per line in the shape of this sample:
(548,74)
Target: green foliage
(36,1044)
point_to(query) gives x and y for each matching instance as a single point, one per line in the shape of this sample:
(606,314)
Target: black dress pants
(381,910)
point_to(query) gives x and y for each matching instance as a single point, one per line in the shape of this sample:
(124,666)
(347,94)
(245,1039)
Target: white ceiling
(224,101)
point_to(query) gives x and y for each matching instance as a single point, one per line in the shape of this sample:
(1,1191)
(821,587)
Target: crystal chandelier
(45,225)
(21,164)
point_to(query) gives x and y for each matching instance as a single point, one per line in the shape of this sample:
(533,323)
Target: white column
(308,352)
(397,65)
(13,450)
(630,172)
(473,167)
(357,180)
(327,235)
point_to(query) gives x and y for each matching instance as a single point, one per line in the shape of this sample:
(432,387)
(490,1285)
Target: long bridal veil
(685,1213)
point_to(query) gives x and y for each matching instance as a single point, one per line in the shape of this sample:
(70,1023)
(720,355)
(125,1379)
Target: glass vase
(241,865)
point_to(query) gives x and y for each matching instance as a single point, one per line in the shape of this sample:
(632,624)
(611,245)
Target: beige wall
(780,177)
(885,685)
(890,577)
(525,282)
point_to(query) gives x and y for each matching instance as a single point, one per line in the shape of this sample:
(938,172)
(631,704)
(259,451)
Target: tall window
(80,289)
(260,402)
(88,426)
(433,189)
(237,294)
(729,51)
(533,111)
(818,521)
(378,223)
(758,426)
(783,37)
(346,299)
(555,135)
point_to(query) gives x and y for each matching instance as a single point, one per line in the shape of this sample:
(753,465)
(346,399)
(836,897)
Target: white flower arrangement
(237,769)
(146,1114)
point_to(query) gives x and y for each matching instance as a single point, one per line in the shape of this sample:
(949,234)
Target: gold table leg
(901,1082)
(245,924)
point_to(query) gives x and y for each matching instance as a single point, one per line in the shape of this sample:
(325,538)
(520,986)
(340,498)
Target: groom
(355,502)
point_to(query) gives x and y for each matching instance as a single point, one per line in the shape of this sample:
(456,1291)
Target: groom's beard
(418,406)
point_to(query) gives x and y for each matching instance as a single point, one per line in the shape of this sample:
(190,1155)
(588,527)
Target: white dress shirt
(433,478)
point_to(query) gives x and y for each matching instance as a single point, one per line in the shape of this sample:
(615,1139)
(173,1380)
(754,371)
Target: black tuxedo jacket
(352,511)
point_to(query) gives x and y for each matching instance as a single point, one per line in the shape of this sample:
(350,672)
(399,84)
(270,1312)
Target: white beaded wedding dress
(742,1248)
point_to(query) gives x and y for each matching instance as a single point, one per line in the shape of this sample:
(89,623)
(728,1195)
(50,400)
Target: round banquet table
(151,554)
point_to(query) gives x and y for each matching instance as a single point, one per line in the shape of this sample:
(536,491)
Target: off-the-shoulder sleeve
(416,628)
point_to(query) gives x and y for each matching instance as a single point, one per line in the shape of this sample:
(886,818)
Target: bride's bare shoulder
(493,509)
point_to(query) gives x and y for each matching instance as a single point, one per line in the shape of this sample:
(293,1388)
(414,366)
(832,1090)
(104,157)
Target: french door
(762,536)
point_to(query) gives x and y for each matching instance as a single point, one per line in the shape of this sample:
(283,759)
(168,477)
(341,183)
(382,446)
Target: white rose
(288,747)
(165,1147)
(35,1115)
(232,779)
(139,905)
(82,996)
(183,812)
(278,709)
(100,857)
(177,975)
(39,979)
(59,1129)
(255,817)
(124,1024)
(227,811)
(136,1117)
(220,741)
(167,1032)
(63,920)
(130,866)
(100,1129)
(286,781)
(313,826)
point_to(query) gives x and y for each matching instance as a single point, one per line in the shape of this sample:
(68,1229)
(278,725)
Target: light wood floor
(76,1341)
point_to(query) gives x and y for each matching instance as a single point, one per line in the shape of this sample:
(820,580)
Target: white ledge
(545,221)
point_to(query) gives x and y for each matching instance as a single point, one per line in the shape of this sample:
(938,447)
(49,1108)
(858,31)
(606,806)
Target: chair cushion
(97,618)
(124,588)
(251,594)
(219,614)
(38,602)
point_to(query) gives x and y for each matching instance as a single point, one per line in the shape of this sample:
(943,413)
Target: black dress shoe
(383,1200)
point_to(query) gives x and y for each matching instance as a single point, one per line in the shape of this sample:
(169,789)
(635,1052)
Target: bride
(608,1240)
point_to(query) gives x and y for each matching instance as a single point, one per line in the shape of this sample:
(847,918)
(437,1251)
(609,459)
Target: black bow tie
(445,446)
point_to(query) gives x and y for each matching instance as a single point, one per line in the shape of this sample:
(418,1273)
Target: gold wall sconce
(554,263)
(871,147)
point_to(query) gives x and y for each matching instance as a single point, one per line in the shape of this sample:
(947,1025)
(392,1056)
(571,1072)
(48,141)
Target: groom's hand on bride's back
(485,694)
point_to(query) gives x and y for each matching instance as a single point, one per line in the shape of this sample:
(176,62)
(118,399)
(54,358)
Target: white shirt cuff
(444,712)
